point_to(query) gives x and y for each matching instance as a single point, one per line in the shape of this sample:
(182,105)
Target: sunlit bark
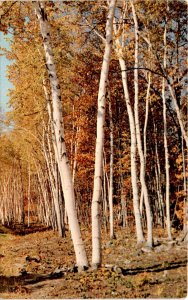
(61,155)
(96,235)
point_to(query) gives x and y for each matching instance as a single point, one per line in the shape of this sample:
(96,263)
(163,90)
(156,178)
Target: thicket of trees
(66,159)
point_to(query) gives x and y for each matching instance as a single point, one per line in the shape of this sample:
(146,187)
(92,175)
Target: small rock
(146,249)
(108,266)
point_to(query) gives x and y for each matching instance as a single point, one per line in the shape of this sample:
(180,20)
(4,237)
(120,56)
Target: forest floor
(41,265)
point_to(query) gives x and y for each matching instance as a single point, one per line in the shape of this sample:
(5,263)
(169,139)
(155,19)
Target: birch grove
(95,141)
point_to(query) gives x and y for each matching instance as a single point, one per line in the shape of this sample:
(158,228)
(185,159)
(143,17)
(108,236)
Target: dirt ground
(41,265)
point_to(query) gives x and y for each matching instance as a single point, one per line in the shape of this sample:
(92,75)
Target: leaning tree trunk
(53,177)
(61,155)
(96,238)
(138,136)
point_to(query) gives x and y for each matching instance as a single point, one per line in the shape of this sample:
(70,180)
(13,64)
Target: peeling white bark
(62,160)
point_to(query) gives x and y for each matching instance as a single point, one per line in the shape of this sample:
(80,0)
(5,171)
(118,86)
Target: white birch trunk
(110,196)
(138,136)
(183,131)
(52,167)
(74,165)
(96,236)
(158,174)
(139,230)
(61,154)
(134,181)
(168,225)
(145,129)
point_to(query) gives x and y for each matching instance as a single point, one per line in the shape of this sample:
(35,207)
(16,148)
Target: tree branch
(147,69)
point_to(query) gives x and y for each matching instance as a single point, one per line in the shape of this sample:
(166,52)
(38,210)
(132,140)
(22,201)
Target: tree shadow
(22,229)
(155,268)
(13,283)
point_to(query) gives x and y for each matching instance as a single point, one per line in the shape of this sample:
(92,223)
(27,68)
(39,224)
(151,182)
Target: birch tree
(167,166)
(61,155)
(134,180)
(138,135)
(110,196)
(96,235)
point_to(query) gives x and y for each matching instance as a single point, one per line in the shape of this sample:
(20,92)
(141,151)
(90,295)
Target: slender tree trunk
(134,181)
(139,230)
(110,196)
(51,167)
(74,165)
(96,236)
(104,195)
(183,131)
(145,129)
(22,195)
(138,136)
(185,187)
(29,196)
(168,225)
(61,155)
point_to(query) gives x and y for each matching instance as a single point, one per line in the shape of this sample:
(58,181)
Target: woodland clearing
(41,265)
